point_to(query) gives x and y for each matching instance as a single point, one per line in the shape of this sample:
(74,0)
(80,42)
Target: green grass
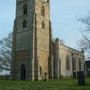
(69,84)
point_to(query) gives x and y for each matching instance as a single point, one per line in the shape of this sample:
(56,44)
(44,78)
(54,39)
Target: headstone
(81,78)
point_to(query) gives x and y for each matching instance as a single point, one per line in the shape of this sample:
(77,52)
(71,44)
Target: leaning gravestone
(81,78)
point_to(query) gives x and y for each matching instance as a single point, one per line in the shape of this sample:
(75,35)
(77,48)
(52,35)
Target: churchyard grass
(62,84)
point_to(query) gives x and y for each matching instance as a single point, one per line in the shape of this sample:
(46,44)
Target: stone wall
(62,52)
(42,37)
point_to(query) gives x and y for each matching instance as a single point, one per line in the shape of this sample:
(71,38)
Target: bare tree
(5,53)
(85,41)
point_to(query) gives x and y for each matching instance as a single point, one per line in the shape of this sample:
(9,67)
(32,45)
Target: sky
(64,18)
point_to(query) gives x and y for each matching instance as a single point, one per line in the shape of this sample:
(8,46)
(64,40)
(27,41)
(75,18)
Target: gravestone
(81,78)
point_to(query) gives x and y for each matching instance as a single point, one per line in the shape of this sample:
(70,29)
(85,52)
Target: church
(35,56)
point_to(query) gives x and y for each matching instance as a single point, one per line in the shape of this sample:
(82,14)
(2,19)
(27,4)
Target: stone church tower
(32,40)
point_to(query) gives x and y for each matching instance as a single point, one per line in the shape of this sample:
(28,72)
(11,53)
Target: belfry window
(43,11)
(25,9)
(24,24)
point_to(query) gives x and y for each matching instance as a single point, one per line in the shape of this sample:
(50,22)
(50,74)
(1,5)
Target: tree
(5,53)
(85,41)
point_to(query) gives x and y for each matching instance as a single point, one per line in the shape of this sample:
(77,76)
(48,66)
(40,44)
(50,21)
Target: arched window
(67,62)
(43,11)
(25,9)
(24,24)
(74,63)
(43,24)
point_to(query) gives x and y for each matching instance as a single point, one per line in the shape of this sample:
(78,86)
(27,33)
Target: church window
(25,9)
(74,63)
(40,70)
(43,24)
(24,24)
(67,62)
(43,11)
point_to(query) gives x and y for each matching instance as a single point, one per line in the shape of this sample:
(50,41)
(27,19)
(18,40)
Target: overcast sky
(64,15)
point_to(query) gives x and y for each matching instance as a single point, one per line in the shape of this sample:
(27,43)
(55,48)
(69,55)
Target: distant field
(41,85)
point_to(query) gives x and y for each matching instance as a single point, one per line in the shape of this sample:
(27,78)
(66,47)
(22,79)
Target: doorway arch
(23,72)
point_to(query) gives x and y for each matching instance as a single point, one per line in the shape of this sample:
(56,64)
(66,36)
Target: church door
(23,72)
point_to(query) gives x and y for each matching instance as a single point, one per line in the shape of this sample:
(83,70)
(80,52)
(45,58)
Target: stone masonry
(35,55)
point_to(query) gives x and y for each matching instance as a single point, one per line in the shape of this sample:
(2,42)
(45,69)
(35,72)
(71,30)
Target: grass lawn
(41,85)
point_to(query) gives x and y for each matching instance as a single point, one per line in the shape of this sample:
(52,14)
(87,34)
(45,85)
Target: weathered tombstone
(81,78)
